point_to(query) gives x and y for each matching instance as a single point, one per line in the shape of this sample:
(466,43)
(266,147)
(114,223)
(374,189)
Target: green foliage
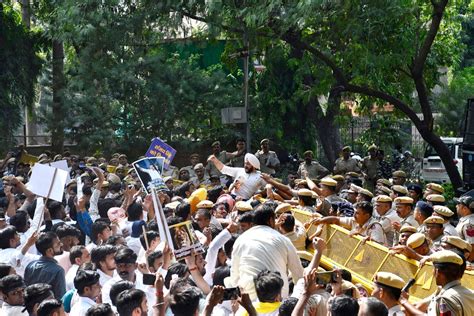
(451,102)
(20,66)
(125,84)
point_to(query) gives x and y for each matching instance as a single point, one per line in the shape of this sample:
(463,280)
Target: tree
(124,87)
(19,70)
(382,51)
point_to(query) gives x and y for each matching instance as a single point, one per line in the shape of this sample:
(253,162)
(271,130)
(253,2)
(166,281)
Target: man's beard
(249,169)
(60,252)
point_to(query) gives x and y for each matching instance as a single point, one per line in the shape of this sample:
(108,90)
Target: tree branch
(420,61)
(399,104)
(295,40)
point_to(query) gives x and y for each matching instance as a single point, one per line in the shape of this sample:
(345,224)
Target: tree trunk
(328,132)
(57,128)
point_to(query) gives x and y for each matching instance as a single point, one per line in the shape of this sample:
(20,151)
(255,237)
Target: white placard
(62,164)
(79,188)
(44,180)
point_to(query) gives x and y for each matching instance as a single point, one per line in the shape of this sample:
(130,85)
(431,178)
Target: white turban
(252,160)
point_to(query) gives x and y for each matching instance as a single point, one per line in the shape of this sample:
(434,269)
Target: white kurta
(263,248)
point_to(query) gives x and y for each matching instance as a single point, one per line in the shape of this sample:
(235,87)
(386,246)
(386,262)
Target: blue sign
(159,148)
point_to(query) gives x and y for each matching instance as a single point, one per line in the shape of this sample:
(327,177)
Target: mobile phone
(149,279)
(407,286)
(232,293)
(326,277)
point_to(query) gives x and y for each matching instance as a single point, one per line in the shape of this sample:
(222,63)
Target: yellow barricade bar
(364,260)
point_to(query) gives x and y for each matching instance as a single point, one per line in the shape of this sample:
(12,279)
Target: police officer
(311,168)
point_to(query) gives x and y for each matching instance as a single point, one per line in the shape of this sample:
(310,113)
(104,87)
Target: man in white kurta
(263,248)
(247,180)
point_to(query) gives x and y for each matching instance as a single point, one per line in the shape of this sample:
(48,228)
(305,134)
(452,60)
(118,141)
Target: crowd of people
(99,252)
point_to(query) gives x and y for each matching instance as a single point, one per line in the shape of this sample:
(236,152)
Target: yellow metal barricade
(364,260)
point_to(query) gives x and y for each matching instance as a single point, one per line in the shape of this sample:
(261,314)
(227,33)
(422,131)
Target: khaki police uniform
(314,170)
(453,299)
(371,228)
(343,166)
(269,158)
(465,228)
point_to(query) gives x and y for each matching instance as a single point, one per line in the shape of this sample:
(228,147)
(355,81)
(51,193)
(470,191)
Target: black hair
(153,256)
(393,292)
(48,307)
(45,241)
(97,228)
(100,253)
(118,288)
(129,300)
(268,286)
(35,294)
(125,255)
(182,189)
(152,225)
(150,235)
(214,193)
(246,217)
(20,221)
(174,220)
(375,307)
(76,252)
(229,246)
(4,269)
(183,210)
(11,282)
(177,268)
(85,278)
(104,205)
(54,208)
(185,301)
(287,306)
(263,214)
(307,200)
(289,224)
(100,310)
(113,240)
(87,190)
(68,230)
(365,206)
(6,235)
(220,274)
(344,306)
(134,211)
(204,212)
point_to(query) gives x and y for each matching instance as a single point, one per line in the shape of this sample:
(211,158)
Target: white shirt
(9,310)
(105,277)
(134,244)
(263,248)
(396,311)
(249,182)
(81,306)
(70,275)
(148,289)
(213,251)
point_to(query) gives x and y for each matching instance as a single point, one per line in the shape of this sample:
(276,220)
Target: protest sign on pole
(149,171)
(160,219)
(159,148)
(47,182)
(184,240)
(61,164)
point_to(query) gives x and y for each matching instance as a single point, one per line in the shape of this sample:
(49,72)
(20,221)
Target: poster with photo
(149,171)
(184,240)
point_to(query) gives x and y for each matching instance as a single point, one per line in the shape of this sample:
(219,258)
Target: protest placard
(48,182)
(149,171)
(61,164)
(184,240)
(159,148)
